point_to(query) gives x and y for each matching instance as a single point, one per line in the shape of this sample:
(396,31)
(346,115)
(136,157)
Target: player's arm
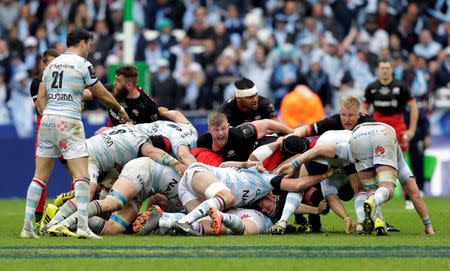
(413,118)
(302,131)
(41,100)
(162,157)
(263,152)
(175,116)
(327,150)
(106,98)
(185,156)
(266,126)
(307,209)
(303,182)
(87,95)
(241,164)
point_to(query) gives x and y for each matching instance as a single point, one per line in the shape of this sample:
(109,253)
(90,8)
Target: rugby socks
(41,205)
(359,206)
(168,219)
(97,224)
(381,195)
(198,227)
(426,221)
(33,196)
(93,209)
(202,210)
(81,186)
(64,211)
(293,201)
(232,222)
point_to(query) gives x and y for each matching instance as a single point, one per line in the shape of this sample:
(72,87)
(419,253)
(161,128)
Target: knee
(227,197)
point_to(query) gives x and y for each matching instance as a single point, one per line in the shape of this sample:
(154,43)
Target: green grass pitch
(410,249)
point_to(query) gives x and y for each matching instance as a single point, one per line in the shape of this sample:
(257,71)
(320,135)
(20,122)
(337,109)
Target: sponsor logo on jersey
(396,90)
(92,73)
(230,153)
(391,103)
(63,145)
(61,66)
(384,90)
(379,150)
(60,97)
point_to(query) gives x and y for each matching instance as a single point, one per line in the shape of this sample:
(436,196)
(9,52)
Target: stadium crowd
(195,50)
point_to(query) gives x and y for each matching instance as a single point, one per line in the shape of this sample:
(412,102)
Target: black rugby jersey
(388,99)
(235,117)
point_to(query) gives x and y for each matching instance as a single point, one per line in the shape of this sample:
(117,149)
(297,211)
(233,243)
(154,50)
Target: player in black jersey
(139,107)
(236,143)
(348,117)
(247,105)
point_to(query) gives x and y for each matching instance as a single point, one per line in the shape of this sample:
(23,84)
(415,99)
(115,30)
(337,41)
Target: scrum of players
(248,179)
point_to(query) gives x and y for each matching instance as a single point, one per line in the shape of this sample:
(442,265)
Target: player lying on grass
(138,180)
(203,187)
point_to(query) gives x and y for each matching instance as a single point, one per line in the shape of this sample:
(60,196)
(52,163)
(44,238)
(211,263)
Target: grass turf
(409,249)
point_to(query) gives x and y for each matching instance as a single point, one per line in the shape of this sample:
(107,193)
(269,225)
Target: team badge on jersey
(92,72)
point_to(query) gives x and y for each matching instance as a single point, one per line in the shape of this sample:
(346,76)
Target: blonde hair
(348,101)
(216,118)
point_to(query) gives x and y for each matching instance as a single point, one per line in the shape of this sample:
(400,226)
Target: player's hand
(407,136)
(286,170)
(123,116)
(180,168)
(323,205)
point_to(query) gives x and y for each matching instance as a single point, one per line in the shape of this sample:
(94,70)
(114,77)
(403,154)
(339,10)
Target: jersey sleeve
(34,88)
(89,74)
(331,123)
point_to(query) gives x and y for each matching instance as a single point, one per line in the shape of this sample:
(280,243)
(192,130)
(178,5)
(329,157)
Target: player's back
(178,134)
(247,185)
(165,180)
(65,79)
(115,146)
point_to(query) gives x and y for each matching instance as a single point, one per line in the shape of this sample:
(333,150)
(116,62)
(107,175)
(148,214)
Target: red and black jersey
(241,142)
(388,99)
(140,110)
(333,123)
(34,89)
(235,117)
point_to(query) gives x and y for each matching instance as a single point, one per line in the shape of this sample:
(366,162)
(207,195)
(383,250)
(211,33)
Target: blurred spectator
(385,20)
(21,105)
(284,76)
(158,9)
(208,57)
(442,75)
(31,52)
(26,24)
(97,9)
(317,81)
(322,14)
(310,111)
(420,81)
(378,38)
(165,89)
(280,33)
(4,93)
(200,30)
(233,23)
(405,31)
(224,73)
(310,31)
(221,38)
(360,70)
(41,36)
(332,62)
(166,39)
(152,53)
(254,66)
(15,45)
(9,12)
(104,42)
(82,18)
(190,77)
(56,27)
(427,47)
(395,46)
(291,13)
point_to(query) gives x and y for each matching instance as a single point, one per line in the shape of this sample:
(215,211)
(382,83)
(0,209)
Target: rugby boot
(63,197)
(216,220)
(278,228)
(61,231)
(368,223)
(186,229)
(380,227)
(28,232)
(49,213)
